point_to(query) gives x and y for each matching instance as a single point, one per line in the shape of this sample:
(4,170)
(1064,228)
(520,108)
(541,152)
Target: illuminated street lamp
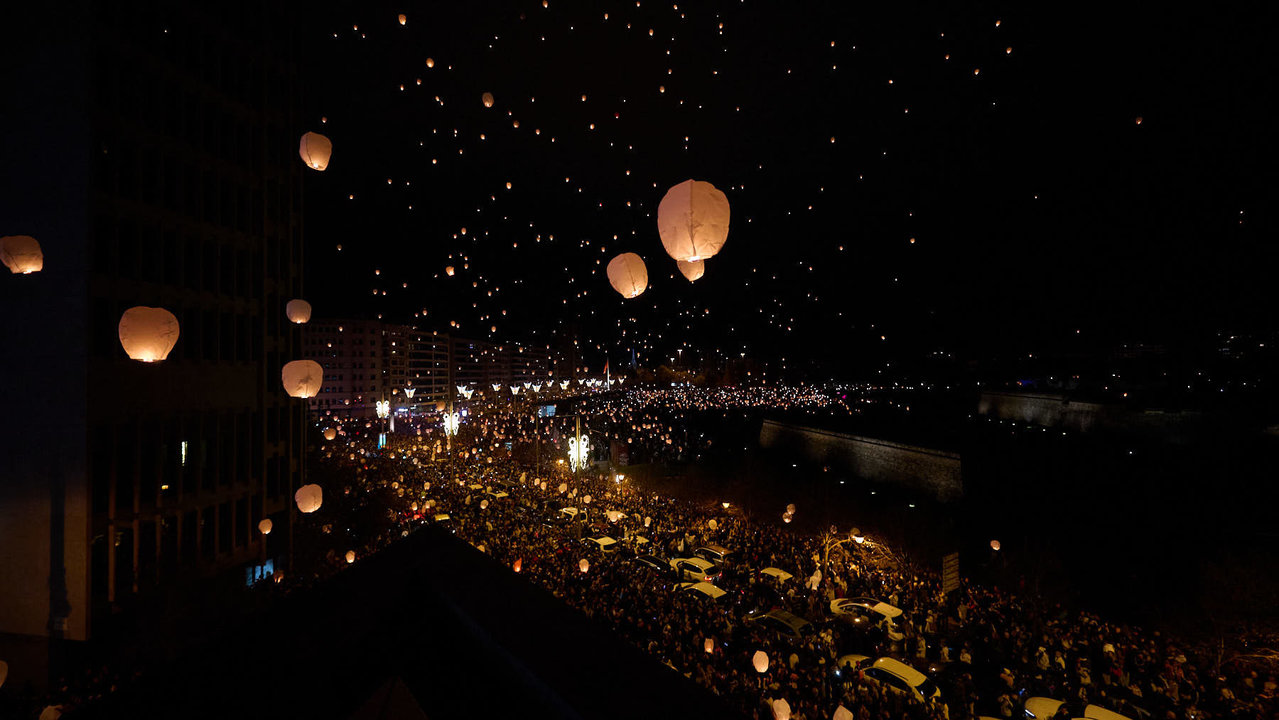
(383,408)
(579,449)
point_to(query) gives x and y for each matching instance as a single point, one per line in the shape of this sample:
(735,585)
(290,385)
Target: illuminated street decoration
(451,423)
(383,408)
(579,449)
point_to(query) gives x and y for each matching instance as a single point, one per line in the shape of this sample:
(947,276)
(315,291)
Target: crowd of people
(988,650)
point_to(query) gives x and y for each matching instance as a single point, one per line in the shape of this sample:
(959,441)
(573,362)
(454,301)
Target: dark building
(152,150)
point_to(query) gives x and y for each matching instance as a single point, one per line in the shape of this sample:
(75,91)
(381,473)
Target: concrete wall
(934,472)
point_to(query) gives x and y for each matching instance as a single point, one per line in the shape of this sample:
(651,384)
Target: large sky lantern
(627,274)
(265,526)
(781,709)
(21,254)
(692,220)
(330,433)
(298,311)
(487,98)
(302,378)
(309,498)
(315,150)
(148,334)
(842,713)
(448,270)
(692,270)
(760,661)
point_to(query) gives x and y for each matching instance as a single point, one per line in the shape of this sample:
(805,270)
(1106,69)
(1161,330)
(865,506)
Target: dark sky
(1006,144)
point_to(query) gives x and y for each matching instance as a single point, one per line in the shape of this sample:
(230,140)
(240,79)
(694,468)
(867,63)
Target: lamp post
(451,422)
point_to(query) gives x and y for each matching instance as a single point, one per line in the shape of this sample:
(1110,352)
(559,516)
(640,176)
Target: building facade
(154,157)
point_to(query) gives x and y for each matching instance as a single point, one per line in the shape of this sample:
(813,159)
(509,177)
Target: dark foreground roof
(428,628)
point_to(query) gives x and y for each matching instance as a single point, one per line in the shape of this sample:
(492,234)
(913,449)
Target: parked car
(1042,708)
(784,623)
(704,589)
(696,569)
(661,566)
(713,553)
(893,674)
(496,495)
(603,543)
(870,613)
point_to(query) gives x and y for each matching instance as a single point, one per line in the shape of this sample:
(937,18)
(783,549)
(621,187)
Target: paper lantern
(586,499)
(584,564)
(790,509)
(994,545)
(403,18)
(488,99)
(781,709)
(21,254)
(712,525)
(708,645)
(302,378)
(563,488)
(330,434)
(647,521)
(691,270)
(148,334)
(265,526)
(842,713)
(786,517)
(299,311)
(315,150)
(309,498)
(448,270)
(430,62)
(760,661)
(484,504)
(350,556)
(627,274)
(692,220)
(517,565)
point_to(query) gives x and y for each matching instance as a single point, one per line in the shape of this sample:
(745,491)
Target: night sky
(905,179)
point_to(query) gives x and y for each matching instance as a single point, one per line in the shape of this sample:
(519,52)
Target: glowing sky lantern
(21,254)
(781,709)
(488,99)
(315,150)
(448,270)
(760,661)
(309,498)
(430,62)
(302,378)
(627,274)
(298,311)
(265,526)
(842,713)
(584,564)
(350,556)
(330,433)
(148,334)
(692,220)
(691,270)
(403,18)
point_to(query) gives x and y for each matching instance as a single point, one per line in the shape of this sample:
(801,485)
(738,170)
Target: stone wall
(1059,411)
(934,472)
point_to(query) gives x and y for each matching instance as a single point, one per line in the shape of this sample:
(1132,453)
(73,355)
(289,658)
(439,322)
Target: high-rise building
(154,156)
(355,355)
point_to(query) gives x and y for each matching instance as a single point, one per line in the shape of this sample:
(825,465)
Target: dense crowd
(987,650)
